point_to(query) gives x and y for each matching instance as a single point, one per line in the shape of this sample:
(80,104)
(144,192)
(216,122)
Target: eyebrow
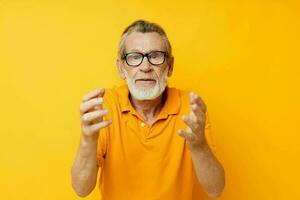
(136,50)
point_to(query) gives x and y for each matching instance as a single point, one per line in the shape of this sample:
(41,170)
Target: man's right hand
(91,113)
(84,169)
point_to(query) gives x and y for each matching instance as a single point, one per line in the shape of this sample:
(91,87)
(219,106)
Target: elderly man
(150,141)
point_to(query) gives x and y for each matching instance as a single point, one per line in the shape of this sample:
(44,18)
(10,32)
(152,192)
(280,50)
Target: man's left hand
(195,121)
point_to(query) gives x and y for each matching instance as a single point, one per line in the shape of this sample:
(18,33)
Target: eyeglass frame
(124,57)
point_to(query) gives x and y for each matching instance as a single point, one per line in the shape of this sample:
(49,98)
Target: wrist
(202,147)
(89,139)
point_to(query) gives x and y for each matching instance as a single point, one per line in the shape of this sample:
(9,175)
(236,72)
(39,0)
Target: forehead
(144,42)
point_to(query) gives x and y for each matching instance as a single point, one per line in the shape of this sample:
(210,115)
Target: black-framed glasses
(134,59)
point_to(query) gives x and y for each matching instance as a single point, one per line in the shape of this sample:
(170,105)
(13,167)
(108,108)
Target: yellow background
(242,57)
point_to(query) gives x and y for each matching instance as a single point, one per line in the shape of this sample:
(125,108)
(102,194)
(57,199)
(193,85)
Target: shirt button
(142,124)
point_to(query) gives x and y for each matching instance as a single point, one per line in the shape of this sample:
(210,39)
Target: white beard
(147,94)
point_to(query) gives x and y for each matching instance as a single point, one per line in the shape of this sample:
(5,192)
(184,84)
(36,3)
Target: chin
(146,93)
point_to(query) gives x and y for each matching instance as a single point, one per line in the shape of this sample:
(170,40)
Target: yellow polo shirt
(141,162)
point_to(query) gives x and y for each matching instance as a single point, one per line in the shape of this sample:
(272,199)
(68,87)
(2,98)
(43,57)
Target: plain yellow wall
(242,57)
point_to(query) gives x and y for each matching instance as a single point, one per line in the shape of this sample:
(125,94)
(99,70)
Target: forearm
(209,170)
(84,170)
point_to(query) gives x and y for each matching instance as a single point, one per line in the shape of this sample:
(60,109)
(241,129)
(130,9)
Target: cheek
(131,72)
(160,73)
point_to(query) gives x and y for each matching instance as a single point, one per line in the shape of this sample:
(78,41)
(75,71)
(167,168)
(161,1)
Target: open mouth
(145,81)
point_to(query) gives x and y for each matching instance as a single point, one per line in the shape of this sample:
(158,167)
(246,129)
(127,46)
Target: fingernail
(100,99)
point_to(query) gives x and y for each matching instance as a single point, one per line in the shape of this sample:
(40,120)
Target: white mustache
(146,78)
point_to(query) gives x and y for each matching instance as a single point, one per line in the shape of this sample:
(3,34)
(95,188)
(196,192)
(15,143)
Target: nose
(145,66)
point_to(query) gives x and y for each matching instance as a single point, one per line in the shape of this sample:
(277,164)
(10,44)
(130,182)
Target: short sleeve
(103,134)
(102,146)
(209,135)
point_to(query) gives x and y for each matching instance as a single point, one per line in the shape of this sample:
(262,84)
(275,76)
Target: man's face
(146,81)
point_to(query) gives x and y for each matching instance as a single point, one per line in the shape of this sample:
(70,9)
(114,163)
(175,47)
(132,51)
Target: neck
(149,109)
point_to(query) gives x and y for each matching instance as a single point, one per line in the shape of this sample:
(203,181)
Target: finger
(98,107)
(196,99)
(100,125)
(188,136)
(88,105)
(197,113)
(94,93)
(194,115)
(90,117)
(190,123)
(192,98)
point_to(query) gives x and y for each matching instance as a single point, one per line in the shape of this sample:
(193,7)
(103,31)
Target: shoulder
(116,98)
(178,99)
(182,93)
(115,93)
(178,93)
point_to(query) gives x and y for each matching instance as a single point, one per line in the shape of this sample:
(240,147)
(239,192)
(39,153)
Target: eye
(154,55)
(134,56)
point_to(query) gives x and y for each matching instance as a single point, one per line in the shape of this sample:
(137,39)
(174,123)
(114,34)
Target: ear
(119,64)
(170,64)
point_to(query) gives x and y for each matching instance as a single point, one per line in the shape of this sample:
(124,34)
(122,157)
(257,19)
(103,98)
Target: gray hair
(144,26)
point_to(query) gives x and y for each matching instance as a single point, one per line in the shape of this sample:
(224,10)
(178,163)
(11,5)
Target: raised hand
(195,121)
(91,113)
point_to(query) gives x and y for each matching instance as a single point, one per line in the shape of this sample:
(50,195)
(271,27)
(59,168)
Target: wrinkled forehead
(144,42)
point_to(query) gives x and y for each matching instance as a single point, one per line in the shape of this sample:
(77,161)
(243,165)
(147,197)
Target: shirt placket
(145,129)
